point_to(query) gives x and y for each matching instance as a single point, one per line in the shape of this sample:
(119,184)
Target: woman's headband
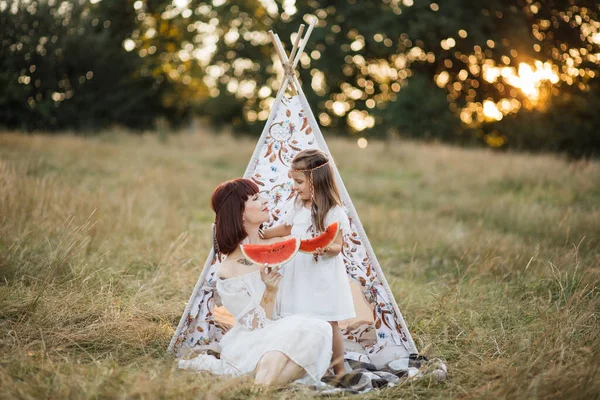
(223,201)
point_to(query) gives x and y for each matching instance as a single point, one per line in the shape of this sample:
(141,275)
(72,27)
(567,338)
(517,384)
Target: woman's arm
(271,281)
(277,231)
(254,315)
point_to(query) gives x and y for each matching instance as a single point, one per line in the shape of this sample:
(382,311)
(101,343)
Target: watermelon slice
(325,239)
(272,253)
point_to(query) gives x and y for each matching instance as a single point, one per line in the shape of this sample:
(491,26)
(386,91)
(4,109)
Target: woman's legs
(338,350)
(290,372)
(269,367)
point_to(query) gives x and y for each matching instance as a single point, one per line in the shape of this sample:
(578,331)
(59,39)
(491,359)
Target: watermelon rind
(310,245)
(266,253)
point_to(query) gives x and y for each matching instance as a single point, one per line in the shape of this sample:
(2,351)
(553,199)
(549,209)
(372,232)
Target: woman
(273,351)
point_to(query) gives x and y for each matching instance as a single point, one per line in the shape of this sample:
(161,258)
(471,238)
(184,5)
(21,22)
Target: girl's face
(256,210)
(301,184)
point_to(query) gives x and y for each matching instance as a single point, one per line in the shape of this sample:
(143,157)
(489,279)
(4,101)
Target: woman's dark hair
(228,202)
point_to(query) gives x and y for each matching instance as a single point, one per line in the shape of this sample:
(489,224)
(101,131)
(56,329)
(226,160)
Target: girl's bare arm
(334,249)
(277,231)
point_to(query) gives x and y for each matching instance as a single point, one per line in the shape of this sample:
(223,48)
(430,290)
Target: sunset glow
(528,79)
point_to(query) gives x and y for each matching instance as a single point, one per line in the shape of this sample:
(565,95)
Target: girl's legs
(269,367)
(338,350)
(290,372)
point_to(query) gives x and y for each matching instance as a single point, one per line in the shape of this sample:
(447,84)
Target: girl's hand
(272,278)
(321,251)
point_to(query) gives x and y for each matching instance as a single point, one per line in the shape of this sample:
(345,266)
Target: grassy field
(494,260)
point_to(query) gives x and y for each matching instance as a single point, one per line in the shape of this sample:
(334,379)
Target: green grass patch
(494,260)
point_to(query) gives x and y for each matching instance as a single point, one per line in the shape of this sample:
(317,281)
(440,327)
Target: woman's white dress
(315,289)
(306,341)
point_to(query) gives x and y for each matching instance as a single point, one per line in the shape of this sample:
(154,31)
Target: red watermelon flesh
(272,253)
(325,239)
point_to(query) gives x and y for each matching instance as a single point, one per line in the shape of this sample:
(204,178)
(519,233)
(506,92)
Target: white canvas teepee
(378,334)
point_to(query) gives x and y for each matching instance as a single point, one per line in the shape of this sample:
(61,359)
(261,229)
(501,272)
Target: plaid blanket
(365,377)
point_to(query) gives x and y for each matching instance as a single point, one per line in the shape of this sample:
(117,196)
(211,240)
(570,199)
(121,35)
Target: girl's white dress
(306,341)
(315,289)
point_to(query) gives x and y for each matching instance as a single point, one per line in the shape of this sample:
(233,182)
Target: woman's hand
(272,278)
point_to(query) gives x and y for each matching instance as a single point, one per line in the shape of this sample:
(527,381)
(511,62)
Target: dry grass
(494,260)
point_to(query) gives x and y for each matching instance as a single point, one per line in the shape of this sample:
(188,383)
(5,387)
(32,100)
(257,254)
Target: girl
(316,285)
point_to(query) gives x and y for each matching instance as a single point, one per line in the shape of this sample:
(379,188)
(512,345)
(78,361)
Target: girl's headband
(311,169)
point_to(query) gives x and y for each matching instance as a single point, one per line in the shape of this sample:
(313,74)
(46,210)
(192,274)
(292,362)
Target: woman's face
(301,185)
(256,210)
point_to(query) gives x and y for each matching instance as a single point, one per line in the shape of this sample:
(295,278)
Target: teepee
(378,334)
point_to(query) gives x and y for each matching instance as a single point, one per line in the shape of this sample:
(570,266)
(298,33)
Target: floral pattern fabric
(289,131)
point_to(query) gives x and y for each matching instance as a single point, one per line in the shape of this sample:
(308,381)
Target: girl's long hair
(325,191)
(228,202)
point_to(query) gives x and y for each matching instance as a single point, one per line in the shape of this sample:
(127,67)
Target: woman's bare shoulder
(227,268)
(234,266)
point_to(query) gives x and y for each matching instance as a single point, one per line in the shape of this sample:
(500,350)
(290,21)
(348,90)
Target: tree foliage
(511,73)
(63,66)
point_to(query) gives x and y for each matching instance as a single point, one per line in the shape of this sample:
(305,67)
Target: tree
(458,70)
(63,65)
